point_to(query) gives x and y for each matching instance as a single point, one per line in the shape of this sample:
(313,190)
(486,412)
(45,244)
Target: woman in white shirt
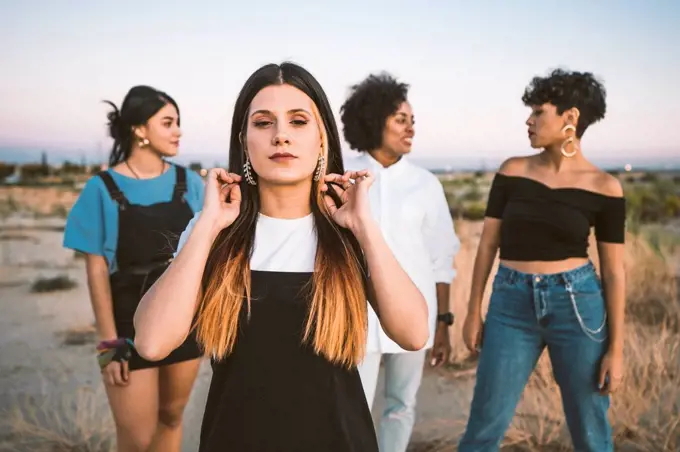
(409,204)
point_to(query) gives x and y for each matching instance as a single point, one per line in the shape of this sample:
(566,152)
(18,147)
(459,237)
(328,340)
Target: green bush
(6,170)
(652,199)
(474,211)
(42,285)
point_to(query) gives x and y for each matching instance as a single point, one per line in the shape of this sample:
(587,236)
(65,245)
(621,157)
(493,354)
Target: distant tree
(195,166)
(649,178)
(44,165)
(69,168)
(6,170)
(32,171)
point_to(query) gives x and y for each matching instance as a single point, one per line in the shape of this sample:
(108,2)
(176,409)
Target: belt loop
(566,280)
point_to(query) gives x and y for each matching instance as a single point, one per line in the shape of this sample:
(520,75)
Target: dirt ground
(47,360)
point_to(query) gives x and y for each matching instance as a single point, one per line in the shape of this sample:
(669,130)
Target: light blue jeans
(564,312)
(403,374)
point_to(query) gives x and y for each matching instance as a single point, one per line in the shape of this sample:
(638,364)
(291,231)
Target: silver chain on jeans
(589,332)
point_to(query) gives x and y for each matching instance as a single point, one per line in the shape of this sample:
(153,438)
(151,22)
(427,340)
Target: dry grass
(40,201)
(80,335)
(645,411)
(62,423)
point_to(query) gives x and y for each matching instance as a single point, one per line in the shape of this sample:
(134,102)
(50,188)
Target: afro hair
(567,89)
(367,108)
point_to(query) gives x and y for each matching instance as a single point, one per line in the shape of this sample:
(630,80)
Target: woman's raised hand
(352,189)
(222,203)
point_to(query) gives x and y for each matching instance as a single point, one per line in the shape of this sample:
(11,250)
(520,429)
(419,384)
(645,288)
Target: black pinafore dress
(273,393)
(147,239)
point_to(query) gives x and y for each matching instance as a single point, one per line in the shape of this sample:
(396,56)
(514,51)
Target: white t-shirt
(281,245)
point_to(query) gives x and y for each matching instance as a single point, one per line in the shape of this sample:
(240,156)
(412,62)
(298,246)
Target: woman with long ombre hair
(276,271)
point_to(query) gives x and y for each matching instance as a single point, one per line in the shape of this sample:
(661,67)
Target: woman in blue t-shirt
(127,221)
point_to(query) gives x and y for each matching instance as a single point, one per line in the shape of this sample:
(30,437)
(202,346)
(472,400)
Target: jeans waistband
(585,271)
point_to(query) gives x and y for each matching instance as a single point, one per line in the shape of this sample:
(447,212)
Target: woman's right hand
(116,374)
(222,203)
(473,329)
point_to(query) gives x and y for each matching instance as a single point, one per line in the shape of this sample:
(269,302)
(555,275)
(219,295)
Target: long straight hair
(336,324)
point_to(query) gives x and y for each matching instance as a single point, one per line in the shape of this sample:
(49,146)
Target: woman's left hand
(611,372)
(352,189)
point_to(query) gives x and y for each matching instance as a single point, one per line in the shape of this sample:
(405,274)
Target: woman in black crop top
(546,292)
(277,269)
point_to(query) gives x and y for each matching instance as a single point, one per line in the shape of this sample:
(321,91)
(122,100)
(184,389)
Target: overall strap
(180,183)
(113,189)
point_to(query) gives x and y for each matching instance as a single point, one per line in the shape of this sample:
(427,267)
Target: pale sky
(467,64)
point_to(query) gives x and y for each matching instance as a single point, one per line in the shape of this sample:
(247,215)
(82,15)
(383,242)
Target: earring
(567,141)
(143,142)
(320,168)
(248,172)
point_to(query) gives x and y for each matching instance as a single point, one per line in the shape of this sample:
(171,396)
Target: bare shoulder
(608,184)
(514,166)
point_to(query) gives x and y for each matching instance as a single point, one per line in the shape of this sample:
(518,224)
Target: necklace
(137,175)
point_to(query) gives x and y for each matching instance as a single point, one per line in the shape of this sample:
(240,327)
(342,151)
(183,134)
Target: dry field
(51,397)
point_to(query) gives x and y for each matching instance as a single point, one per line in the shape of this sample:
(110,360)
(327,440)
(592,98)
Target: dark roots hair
(337,315)
(140,104)
(567,89)
(367,108)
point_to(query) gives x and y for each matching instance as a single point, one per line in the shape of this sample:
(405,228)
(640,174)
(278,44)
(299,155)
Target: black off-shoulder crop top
(541,223)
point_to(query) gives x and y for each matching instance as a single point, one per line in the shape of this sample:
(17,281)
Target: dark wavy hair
(367,108)
(567,89)
(337,315)
(140,104)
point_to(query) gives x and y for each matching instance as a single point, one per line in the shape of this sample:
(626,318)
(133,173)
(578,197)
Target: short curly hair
(567,89)
(367,108)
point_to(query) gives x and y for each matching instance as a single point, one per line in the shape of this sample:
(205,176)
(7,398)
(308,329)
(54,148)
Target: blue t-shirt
(92,223)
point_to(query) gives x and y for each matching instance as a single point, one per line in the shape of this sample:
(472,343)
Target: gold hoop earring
(320,168)
(568,140)
(248,172)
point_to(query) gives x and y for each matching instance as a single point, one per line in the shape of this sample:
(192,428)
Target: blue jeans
(403,374)
(565,312)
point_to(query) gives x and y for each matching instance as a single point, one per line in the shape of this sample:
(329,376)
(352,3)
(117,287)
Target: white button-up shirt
(409,204)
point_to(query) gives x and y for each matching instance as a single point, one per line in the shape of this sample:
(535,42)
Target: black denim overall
(147,238)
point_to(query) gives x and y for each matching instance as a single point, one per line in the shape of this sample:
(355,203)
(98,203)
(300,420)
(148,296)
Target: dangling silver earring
(567,141)
(320,168)
(248,172)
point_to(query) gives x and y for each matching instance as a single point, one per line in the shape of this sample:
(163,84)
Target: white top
(280,245)
(409,204)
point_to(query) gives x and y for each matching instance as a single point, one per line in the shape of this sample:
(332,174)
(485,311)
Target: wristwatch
(446,317)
